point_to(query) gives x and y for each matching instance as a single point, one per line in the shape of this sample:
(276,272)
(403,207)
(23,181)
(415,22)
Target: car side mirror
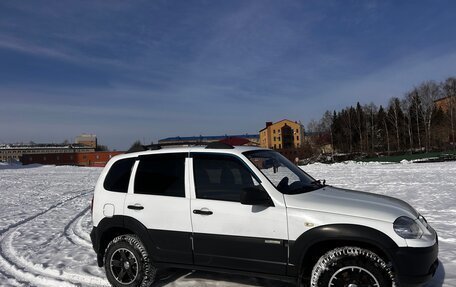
(255,196)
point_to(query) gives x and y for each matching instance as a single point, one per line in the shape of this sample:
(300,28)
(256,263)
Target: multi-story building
(446,103)
(97,158)
(14,152)
(284,134)
(87,140)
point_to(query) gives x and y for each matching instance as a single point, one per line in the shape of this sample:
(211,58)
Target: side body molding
(161,245)
(316,239)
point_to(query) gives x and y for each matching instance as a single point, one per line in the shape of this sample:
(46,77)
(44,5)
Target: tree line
(413,123)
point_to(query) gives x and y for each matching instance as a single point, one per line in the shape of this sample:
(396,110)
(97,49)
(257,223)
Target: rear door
(227,233)
(158,200)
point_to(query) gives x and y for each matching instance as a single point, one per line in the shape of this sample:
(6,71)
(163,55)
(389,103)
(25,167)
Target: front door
(226,233)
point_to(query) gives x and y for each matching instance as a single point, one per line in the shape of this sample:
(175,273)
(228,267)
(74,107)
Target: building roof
(281,121)
(40,146)
(235,141)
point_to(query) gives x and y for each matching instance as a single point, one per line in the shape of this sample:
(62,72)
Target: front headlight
(407,228)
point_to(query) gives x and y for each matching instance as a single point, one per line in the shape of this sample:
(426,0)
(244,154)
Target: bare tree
(394,116)
(347,120)
(312,126)
(387,135)
(326,124)
(370,111)
(416,105)
(359,123)
(428,92)
(449,88)
(406,106)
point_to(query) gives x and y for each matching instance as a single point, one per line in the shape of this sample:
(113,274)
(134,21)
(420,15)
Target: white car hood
(351,203)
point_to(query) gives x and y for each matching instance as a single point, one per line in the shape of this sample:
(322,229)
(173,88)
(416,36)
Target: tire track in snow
(11,279)
(70,230)
(30,218)
(35,274)
(81,231)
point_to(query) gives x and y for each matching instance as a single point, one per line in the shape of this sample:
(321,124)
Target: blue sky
(128,70)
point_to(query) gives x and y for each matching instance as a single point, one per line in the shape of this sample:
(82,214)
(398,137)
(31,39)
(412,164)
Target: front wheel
(351,267)
(127,263)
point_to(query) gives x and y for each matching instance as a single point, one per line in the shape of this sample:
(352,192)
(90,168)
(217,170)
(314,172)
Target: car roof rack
(153,147)
(219,145)
(144,148)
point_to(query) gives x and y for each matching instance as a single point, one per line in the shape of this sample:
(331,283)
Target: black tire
(351,266)
(127,263)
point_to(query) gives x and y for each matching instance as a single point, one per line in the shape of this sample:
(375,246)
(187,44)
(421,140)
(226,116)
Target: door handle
(202,212)
(136,207)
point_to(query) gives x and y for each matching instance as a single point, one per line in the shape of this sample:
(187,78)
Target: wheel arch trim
(335,234)
(109,228)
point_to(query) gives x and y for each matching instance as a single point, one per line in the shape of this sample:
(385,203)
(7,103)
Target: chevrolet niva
(248,210)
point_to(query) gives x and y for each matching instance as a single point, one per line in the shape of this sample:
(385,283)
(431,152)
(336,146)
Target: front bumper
(415,266)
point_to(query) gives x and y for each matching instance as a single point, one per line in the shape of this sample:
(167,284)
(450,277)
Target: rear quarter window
(118,176)
(161,175)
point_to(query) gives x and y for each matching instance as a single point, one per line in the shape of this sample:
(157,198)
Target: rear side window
(119,175)
(161,175)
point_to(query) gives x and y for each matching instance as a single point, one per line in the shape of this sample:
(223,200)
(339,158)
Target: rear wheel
(351,267)
(127,263)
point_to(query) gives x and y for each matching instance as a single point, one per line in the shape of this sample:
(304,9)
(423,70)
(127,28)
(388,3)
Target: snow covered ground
(45,220)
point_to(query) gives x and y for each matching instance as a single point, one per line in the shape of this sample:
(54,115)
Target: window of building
(119,175)
(273,131)
(221,177)
(161,175)
(297,138)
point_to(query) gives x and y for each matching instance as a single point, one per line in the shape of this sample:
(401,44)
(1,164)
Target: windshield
(284,175)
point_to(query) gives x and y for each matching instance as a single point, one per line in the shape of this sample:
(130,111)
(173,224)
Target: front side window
(221,177)
(284,175)
(119,175)
(161,175)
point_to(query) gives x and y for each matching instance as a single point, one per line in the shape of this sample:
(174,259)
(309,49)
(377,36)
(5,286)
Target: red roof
(234,141)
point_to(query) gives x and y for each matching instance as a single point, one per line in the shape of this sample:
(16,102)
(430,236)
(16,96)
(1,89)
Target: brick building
(445,103)
(284,134)
(14,152)
(99,158)
(86,140)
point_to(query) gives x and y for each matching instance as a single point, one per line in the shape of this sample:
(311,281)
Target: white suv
(250,211)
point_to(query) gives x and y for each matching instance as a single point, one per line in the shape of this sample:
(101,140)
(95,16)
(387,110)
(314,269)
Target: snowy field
(45,222)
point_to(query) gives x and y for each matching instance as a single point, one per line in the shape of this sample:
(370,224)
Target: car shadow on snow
(439,277)
(181,277)
(170,276)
